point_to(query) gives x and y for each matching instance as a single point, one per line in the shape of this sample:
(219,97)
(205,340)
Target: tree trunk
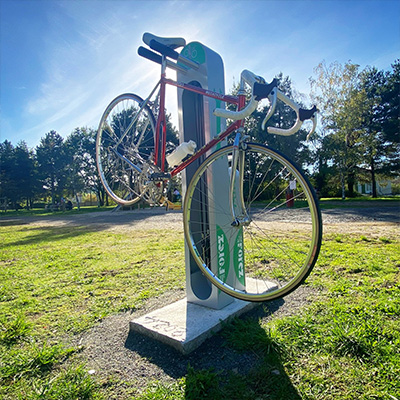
(53,195)
(373,179)
(350,183)
(78,204)
(100,196)
(343,185)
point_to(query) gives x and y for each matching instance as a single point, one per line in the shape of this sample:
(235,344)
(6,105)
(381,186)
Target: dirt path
(158,218)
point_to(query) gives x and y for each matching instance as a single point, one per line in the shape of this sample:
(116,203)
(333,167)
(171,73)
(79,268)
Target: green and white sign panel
(226,241)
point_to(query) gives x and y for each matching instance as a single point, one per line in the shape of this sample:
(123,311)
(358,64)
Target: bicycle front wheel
(125,147)
(275,245)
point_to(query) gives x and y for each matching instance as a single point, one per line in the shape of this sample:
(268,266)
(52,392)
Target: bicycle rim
(272,254)
(124,145)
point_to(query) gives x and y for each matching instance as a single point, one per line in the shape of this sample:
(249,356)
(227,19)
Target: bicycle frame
(237,214)
(159,157)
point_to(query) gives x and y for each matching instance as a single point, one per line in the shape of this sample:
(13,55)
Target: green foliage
(74,383)
(81,149)
(31,361)
(249,334)
(18,175)
(357,140)
(52,163)
(157,391)
(202,384)
(13,330)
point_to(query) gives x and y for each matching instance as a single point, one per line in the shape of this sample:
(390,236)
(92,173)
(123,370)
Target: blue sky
(62,62)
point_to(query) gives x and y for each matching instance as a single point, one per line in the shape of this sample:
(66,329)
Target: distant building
(383,188)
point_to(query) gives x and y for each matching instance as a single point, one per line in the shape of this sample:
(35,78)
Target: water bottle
(181,152)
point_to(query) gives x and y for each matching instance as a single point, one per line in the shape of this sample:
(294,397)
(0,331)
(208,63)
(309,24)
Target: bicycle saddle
(172,43)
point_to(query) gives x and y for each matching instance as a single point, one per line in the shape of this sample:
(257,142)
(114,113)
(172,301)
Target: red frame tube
(161,132)
(206,148)
(204,92)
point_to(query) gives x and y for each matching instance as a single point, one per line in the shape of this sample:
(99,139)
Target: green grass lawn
(56,282)
(327,203)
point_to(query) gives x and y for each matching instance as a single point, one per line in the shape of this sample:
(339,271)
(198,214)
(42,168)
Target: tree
(8,185)
(337,92)
(25,174)
(52,163)
(360,114)
(81,145)
(391,120)
(18,178)
(172,133)
(77,154)
(372,138)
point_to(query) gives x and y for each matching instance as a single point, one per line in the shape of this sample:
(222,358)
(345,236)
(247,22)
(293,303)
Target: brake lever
(310,114)
(272,97)
(314,121)
(307,114)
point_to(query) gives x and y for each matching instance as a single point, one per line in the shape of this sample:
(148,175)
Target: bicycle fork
(236,183)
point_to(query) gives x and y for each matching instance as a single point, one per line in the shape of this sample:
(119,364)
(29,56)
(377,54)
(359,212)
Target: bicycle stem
(237,159)
(246,217)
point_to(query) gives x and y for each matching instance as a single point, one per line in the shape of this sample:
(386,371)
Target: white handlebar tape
(285,132)
(235,115)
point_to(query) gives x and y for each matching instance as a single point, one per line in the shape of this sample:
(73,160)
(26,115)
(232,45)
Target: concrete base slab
(185,326)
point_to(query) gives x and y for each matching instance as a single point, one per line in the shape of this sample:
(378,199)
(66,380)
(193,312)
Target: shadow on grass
(75,216)
(64,226)
(44,234)
(243,361)
(366,214)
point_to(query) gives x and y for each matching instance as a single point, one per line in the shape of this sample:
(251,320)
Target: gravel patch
(159,218)
(110,350)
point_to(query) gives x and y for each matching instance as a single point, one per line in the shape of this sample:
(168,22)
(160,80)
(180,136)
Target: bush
(39,205)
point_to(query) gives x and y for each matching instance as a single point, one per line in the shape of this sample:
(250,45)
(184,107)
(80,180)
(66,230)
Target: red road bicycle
(270,211)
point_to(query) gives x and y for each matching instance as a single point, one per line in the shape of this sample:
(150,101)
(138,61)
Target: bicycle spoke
(278,255)
(125,142)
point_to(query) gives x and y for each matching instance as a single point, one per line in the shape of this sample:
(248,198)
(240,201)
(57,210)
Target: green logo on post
(238,255)
(194,51)
(223,254)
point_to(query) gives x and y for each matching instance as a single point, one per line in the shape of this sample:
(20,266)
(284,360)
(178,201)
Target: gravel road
(158,218)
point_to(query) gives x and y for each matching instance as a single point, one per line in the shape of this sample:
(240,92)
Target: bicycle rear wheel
(125,147)
(273,251)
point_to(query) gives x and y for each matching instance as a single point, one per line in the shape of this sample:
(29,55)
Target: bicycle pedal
(159,176)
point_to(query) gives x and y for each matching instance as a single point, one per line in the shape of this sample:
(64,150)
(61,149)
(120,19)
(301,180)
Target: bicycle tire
(124,149)
(281,243)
